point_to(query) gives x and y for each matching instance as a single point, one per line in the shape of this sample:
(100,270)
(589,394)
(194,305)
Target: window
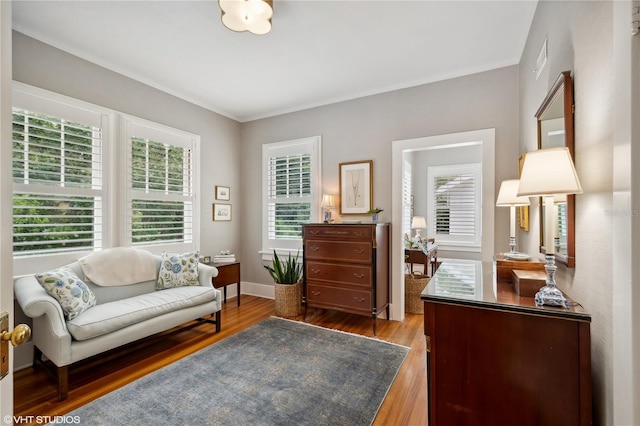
(67,182)
(160,185)
(291,179)
(455,203)
(57,166)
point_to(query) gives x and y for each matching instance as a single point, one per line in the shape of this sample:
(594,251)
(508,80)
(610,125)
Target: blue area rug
(277,372)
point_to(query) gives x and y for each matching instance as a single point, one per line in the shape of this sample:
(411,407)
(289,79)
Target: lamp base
(550,294)
(327,216)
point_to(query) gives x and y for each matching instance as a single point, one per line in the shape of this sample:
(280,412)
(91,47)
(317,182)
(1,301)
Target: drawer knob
(356,251)
(315,293)
(315,271)
(358,275)
(358,299)
(314,232)
(314,248)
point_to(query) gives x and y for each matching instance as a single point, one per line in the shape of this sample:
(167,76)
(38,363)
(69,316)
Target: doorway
(485,139)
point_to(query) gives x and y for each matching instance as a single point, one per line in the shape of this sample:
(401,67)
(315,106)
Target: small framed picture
(356,193)
(206,259)
(221,211)
(223,193)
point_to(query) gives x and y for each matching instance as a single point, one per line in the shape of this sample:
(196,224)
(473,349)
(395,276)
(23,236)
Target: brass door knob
(18,336)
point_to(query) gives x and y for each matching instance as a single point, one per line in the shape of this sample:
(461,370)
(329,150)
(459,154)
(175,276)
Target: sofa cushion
(119,266)
(69,290)
(177,270)
(108,317)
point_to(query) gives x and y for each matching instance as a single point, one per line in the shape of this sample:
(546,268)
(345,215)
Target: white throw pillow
(70,291)
(178,270)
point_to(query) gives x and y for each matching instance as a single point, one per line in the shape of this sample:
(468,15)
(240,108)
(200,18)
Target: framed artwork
(356,187)
(523,211)
(221,211)
(223,193)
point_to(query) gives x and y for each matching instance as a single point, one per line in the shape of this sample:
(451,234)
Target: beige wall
(581,39)
(363,129)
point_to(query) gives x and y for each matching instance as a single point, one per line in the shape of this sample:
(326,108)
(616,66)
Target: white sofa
(123,313)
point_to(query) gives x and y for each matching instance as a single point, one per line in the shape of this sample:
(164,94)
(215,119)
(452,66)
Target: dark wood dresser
(495,358)
(346,267)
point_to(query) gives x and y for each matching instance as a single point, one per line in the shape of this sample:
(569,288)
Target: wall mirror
(555,129)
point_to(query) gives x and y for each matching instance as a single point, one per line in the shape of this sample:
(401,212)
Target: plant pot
(288,299)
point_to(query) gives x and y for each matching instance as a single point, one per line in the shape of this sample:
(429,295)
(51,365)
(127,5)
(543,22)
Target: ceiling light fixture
(247,15)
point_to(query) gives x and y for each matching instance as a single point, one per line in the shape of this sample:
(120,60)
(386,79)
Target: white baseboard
(259,290)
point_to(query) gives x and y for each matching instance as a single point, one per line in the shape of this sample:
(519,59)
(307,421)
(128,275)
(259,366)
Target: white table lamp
(327,205)
(549,173)
(418,223)
(508,197)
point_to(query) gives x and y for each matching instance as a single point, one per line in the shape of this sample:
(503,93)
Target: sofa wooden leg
(63,382)
(218,321)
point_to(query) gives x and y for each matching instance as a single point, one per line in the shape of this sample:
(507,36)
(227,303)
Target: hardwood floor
(405,404)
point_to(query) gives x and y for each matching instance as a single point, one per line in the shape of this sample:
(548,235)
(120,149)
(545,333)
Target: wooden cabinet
(495,358)
(346,267)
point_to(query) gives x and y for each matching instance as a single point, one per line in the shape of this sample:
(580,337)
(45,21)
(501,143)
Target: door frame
(6,197)
(486,137)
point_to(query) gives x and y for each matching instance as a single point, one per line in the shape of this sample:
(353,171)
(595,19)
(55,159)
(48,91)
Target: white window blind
(160,181)
(57,173)
(289,188)
(561,242)
(291,178)
(407,198)
(455,203)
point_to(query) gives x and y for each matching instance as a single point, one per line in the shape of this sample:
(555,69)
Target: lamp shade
(508,194)
(418,222)
(548,172)
(247,15)
(327,201)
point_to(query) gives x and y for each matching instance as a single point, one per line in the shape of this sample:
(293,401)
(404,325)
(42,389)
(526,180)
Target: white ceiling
(319,52)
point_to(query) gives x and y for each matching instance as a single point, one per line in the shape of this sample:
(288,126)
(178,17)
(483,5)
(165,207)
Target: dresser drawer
(338,298)
(341,232)
(340,273)
(344,251)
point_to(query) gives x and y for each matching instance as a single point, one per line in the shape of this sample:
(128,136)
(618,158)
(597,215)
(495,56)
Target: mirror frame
(563,83)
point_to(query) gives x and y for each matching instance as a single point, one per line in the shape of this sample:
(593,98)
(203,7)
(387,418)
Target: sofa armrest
(206,274)
(35,301)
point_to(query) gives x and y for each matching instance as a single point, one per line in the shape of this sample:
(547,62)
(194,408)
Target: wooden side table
(228,273)
(417,255)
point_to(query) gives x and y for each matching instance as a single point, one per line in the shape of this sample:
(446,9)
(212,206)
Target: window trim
(158,132)
(33,98)
(312,145)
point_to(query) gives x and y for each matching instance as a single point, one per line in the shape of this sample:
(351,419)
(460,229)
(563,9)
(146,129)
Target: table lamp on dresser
(508,197)
(549,173)
(418,223)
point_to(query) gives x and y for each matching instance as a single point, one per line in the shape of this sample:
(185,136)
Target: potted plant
(287,277)
(374,214)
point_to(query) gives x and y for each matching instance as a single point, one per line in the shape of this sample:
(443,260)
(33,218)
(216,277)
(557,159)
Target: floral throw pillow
(70,291)
(178,270)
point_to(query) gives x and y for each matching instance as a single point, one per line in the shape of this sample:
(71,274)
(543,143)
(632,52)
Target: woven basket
(288,299)
(414,284)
